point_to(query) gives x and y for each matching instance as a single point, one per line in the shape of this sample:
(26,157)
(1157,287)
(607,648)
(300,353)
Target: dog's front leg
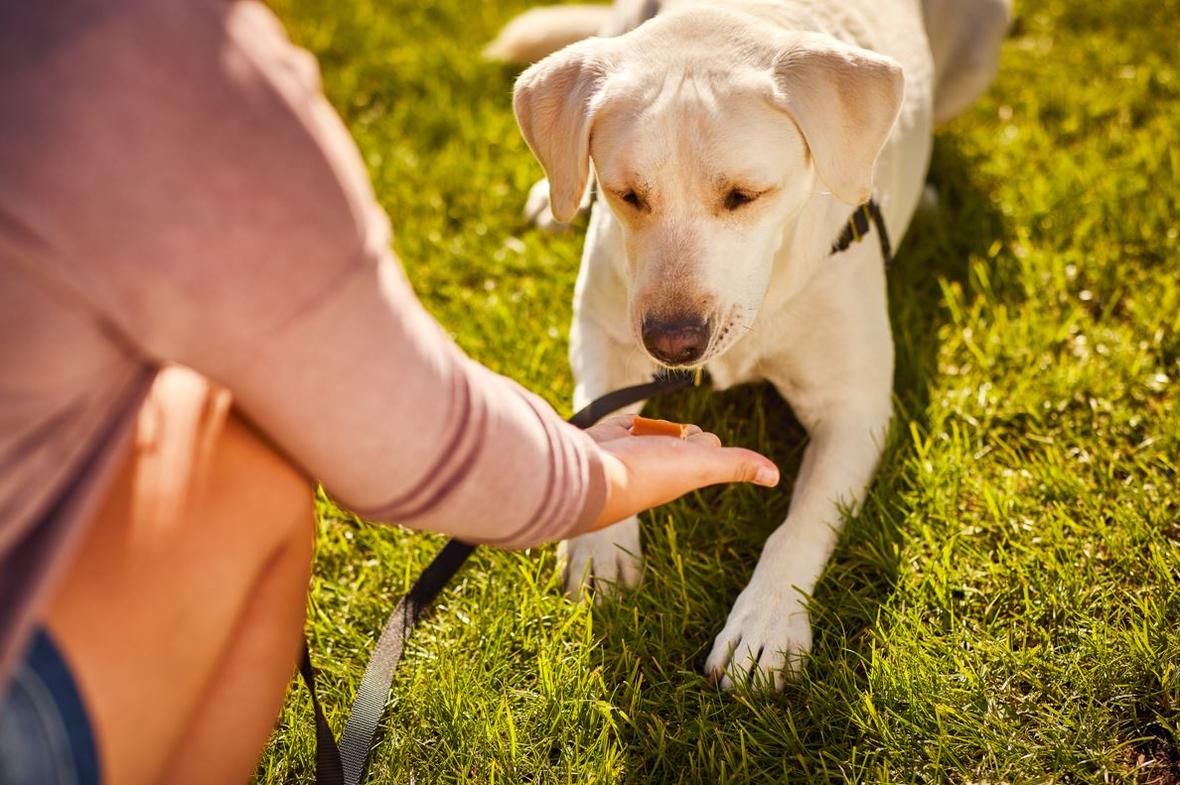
(604,358)
(838,378)
(768,632)
(609,557)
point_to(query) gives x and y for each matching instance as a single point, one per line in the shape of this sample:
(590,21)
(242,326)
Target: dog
(732,143)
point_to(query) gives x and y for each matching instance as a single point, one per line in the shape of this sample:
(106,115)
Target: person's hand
(646,471)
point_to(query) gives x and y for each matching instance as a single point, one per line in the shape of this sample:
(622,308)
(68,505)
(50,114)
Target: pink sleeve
(368,392)
(207,203)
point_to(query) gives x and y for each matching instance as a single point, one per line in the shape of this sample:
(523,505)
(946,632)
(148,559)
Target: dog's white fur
(808,107)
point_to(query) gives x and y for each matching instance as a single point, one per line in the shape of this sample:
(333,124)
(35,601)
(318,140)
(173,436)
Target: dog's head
(709,132)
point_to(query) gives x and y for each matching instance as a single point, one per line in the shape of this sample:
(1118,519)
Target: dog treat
(644,426)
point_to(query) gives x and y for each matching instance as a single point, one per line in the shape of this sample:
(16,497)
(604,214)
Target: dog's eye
(737,198)
(633,199)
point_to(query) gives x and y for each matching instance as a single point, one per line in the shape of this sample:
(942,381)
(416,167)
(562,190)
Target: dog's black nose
(676,341)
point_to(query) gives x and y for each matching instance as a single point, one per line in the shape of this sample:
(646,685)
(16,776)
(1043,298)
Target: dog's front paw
(606,559)
(537,212)
(766,638)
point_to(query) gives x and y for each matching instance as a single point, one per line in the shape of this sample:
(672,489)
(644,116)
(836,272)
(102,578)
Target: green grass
(1006,608)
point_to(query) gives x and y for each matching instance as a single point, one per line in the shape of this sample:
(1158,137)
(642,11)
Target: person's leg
(227,732)
(182,613)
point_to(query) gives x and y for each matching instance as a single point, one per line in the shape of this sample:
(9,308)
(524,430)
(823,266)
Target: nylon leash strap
(344,763)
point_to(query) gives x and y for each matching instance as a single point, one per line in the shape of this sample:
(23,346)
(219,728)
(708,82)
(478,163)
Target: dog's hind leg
(536,206)
(542,31)
(965,38)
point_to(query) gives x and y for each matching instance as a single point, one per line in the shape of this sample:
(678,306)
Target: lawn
(1007,606)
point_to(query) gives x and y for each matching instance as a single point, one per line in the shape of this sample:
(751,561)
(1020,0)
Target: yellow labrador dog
(731,141)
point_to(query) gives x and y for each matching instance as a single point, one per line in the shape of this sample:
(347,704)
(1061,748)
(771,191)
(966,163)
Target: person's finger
(691,430)
(623,420)
(737,464)
(704,437)
(613,427)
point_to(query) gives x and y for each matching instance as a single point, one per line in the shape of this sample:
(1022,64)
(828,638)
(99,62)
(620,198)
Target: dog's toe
(724,648)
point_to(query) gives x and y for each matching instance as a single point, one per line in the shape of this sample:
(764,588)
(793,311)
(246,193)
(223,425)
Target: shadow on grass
(701,551)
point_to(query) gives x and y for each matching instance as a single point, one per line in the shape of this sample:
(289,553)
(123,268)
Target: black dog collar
(863,219)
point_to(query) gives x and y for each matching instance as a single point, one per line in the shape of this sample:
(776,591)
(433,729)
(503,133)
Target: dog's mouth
(724,338)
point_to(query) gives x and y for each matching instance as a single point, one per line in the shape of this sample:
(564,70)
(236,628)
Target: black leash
(613,401)
(345,764)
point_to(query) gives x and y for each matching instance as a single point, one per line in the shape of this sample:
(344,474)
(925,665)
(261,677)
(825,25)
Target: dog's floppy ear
(844,100)
(555,101)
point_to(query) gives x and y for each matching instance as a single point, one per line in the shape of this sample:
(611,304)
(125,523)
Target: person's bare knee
(205,479)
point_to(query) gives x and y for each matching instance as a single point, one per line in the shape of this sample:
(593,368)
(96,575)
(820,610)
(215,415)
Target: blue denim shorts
(45,735)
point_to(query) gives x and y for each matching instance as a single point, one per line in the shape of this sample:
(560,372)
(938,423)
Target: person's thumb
(737,464)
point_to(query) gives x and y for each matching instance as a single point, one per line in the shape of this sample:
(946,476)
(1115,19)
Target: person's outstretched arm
(205,201)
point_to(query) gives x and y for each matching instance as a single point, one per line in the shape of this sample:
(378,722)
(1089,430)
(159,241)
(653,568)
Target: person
(201,313)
